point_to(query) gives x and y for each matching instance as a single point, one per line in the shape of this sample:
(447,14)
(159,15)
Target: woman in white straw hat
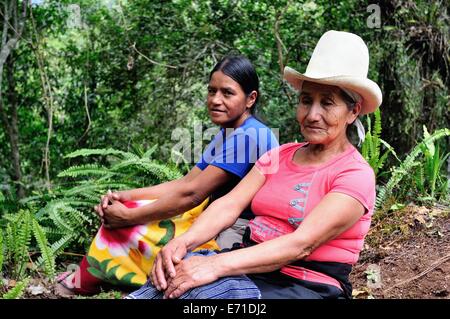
(313,201)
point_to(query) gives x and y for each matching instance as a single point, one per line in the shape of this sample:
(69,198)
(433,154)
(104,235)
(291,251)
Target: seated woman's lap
(275,285)
(124,257)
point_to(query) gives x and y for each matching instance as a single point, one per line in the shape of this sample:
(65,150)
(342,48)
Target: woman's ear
(251,99)
(355,112)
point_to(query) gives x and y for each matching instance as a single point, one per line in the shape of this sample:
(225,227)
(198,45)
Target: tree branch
(4,53)
(48,100)
(133,46)
(87,113)
(25,4)
(5,25)
(15,17)
(280,45)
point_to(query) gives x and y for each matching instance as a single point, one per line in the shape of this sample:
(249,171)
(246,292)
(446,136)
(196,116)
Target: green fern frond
(377,133)
(46,252)
(85,170)
(91,198)
(99,187)
(390,149)
(66,201)
(23,240)
(11,218)
(76,217)
(163,172)
(421,175)
(56,248)
(366,146)
(405,167)
(100,152)
(60,221)
(17,291)
(108,176)
(30,199)
(10,240)
(371,147)
(2,252)
(148,154)
(53,232)
(126,163)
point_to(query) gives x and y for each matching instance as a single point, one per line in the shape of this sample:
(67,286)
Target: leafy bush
(17,247)
(428,177)
(371,147)
(431,165)
(17,291)
(63,218)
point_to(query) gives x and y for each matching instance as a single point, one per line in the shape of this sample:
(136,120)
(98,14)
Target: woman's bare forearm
(220,215)
(265,257)
(158,191)
(179,200)
(150,192)
(223,212)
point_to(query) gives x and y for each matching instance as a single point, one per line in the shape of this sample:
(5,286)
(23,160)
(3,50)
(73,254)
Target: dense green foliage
(98,88)
(123,73)
(63,219)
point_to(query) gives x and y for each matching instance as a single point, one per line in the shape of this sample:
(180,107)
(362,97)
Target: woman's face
(228,106)
(323,115)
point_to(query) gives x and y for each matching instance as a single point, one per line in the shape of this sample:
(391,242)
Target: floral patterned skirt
(124,256)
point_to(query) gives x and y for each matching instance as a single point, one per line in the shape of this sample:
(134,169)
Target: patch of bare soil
(407,255)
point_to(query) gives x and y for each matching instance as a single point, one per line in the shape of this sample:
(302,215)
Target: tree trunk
(11,96)
(12,28)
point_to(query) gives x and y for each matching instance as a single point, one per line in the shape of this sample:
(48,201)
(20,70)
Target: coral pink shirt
(290,193)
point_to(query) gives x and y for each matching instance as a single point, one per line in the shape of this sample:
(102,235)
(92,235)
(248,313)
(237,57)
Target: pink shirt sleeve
(269,162)
(357,181)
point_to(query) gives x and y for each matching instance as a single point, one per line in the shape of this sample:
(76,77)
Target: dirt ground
(406,255)
(412,261)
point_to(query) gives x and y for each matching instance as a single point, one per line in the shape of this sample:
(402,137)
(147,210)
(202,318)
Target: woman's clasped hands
(112,212)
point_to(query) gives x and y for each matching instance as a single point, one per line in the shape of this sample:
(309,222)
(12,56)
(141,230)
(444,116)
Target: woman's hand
(190,273)
(117,215)
(164,265)
(106,199)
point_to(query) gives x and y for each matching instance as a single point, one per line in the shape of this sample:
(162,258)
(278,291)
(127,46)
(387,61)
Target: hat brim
(368,89)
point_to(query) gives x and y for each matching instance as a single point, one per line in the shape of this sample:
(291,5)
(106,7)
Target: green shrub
(371,147)
(64,218)
(406,166)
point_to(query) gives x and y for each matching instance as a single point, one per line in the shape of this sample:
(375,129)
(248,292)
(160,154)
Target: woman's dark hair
(348,100)
(241,70)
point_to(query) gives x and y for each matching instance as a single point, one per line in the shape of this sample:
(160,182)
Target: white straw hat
(340,59)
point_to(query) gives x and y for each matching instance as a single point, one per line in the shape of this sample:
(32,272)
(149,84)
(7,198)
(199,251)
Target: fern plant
(72,208)
(2,253)
(406,166)
(429,177)
(17,291)
(17,242)
(371,147)
(17,248)
(64,218)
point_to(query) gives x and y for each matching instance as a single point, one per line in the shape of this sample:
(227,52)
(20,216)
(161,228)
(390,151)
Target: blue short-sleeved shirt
(236,151)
